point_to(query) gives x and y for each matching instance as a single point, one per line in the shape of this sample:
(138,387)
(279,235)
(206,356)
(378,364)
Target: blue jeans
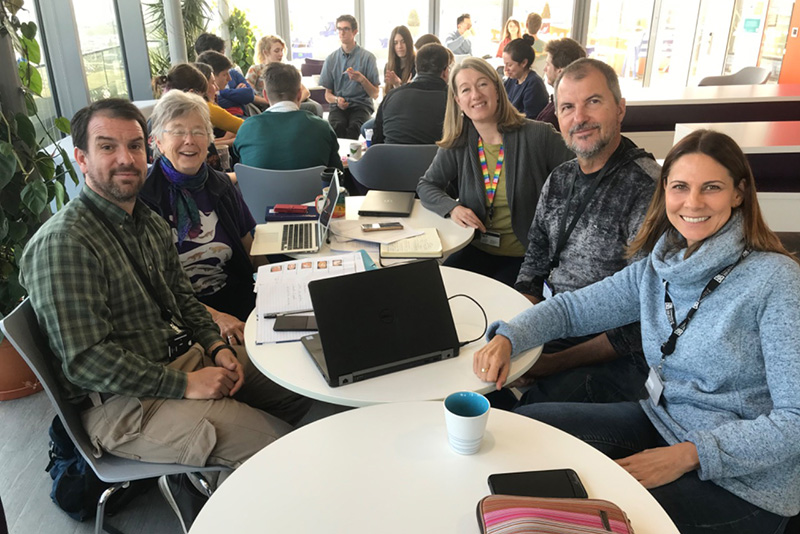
(622,429)
(502,268)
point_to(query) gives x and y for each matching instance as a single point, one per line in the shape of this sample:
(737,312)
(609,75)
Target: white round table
(388,469)
(291,366)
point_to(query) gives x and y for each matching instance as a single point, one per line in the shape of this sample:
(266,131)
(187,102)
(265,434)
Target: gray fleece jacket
(531,153)
(731,386)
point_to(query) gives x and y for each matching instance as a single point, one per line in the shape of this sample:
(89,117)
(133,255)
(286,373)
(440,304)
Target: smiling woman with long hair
(495,162)
(718,298)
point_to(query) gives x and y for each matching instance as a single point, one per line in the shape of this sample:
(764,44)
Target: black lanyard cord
(668,347)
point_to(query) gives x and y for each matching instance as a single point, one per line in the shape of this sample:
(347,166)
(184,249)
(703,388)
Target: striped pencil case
(506,514)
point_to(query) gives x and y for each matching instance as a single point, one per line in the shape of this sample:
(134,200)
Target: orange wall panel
(790,68)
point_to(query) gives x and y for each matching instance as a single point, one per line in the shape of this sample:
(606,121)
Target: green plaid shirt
(99,319)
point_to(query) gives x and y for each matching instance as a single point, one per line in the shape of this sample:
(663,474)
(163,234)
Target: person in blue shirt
(350,78)
(525,88)
(458,41)
(717,440)
(237,92)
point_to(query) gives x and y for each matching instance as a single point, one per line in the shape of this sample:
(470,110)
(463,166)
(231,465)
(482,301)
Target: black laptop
(387,204)
(378,322)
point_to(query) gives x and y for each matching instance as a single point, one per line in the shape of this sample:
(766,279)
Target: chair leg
(99,527)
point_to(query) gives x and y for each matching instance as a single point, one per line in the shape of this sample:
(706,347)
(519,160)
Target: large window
(556,17)
(619,31)
(101,49)
(382,17)
(487,22)
(313,26)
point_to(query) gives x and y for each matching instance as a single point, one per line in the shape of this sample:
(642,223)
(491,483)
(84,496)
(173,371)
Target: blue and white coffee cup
(465,415)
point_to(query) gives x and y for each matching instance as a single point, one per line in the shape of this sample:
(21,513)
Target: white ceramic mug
(465,415)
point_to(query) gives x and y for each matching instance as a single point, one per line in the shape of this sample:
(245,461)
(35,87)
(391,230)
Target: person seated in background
(525,88)
(424,39)
(225,124)
(285,137)
(458,41)
(560,53)
(211,225)
(589,211)
(717,440)
(191,78)
(533,24)
(511,31)
(497,161)
(401,65)
(270,49)
(236,92)
(413,114)
(350,78)
(147,369)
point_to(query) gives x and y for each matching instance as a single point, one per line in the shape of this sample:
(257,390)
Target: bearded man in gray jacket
(589,210)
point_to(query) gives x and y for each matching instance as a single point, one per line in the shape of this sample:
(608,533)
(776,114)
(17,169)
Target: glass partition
(487,23)
(101,49)
(313,26)
(381,17)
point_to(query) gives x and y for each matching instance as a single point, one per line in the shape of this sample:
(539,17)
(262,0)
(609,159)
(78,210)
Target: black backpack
(76,488)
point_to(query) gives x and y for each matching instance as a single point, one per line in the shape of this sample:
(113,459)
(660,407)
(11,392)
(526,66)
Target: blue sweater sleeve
(745,446)
(607,304)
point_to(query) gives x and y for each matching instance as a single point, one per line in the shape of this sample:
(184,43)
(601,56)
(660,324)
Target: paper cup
(465,415)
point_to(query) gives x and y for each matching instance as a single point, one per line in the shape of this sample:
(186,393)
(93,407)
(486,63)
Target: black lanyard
(668,347)
(563,231)
(166,313)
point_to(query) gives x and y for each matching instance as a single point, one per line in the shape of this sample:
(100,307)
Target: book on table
(426,245)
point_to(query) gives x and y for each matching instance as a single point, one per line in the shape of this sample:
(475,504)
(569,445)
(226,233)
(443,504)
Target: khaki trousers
(196,432)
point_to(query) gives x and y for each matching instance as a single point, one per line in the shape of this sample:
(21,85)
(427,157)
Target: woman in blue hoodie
(717,441)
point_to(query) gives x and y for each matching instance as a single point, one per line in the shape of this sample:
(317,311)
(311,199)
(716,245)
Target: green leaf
(17,230)
(66,162)
(32,51)
(30,103)
(46,166)
(61,195)
(3,226)
(8,163)
(26,130)
(30,77)
(63,125)
(28,30)
(34,197)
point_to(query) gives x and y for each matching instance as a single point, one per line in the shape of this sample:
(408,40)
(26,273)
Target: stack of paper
(282,289)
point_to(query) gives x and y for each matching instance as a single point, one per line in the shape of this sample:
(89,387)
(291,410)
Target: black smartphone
(298,323)
(558,483)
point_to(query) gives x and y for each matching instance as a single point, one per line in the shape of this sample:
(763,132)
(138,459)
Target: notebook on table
(300,236)
(378,322)
(387,204)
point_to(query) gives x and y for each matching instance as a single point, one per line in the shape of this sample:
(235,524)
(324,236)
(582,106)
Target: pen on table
(281,314)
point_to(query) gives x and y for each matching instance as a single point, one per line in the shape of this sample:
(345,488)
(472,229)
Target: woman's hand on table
(492,362)
(466,218)
(656,467)
(230,328)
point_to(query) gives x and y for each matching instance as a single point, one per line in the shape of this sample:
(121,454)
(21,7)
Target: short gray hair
(176,104)
(580,68)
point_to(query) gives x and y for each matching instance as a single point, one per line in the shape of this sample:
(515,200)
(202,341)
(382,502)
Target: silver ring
(229,338)
(483,369)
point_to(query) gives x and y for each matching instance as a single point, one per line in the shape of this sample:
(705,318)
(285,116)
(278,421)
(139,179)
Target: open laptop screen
(328,205)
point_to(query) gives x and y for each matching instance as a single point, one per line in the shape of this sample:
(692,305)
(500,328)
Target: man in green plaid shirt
(207,406)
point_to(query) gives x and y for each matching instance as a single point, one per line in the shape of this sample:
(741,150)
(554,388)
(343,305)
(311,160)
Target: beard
(114,190)
(588,152)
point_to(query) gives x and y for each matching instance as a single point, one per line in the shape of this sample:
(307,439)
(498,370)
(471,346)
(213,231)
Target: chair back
(265,187)
(392,167)
(746,76)
(22,330)
(310,69)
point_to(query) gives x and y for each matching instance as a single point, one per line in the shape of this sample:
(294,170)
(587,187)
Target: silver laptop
(387,204)
(301,236)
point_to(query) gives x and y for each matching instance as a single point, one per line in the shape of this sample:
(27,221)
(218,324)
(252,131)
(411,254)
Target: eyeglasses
(180,133)
(343,29)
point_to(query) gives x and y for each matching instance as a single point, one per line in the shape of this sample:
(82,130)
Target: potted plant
(33,168)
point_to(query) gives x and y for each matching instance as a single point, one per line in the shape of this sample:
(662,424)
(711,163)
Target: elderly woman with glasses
(210,221)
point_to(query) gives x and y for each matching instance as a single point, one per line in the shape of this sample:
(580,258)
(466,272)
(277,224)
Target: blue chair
(265,187)
(22,330)
(392,167)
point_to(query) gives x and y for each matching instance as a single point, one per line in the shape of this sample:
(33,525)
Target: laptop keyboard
(297,236)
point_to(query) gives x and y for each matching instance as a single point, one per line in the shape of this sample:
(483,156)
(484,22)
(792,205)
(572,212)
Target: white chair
(264,187)
(392,167)
(22,330)
(746,76)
